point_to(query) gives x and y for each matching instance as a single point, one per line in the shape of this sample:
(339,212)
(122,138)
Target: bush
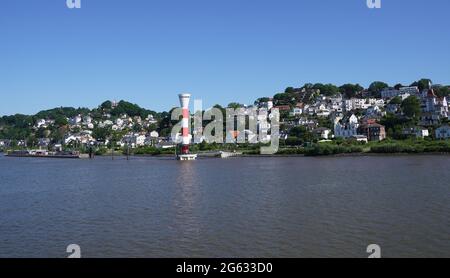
(101,151)
(147,151)
(328,149)
(412,146)
(291,151)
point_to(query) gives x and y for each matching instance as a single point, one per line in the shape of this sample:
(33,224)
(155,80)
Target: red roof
(283,107)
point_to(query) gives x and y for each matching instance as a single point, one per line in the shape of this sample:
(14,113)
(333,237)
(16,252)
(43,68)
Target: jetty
(220,154)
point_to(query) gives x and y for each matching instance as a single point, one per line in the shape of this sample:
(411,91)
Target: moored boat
(42,154)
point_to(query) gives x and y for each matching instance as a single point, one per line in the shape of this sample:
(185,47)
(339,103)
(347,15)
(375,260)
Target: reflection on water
(186,197)
(243,207)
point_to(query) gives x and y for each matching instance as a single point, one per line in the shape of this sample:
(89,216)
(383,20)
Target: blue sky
(148,51)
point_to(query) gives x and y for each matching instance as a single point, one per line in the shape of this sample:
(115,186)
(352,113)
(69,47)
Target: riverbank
(331,148)
(362,154)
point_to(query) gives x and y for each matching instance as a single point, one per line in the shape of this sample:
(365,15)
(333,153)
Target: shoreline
(364,154)
(301,155)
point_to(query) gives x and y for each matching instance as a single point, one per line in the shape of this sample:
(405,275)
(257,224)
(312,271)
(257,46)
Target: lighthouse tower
(184,153)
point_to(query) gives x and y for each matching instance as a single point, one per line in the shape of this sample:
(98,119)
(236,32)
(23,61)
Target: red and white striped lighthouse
(186,140)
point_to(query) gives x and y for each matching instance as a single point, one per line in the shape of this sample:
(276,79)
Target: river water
(239,207)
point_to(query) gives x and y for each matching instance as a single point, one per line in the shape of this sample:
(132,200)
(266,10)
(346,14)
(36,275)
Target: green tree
(443,91)
(396,100)
(61,120)
(286,98)
(289,90)
(411,107)
(235,105)
(351,90)
(423,84)
(326,89)
(376,87)
(101,133)
(301,133)
(261,100)
(106,105)
(398,86)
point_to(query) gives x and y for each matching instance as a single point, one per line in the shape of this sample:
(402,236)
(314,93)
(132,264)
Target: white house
(418,132)
(346,128)
(377,102)
(105,123)
(422,132)
(135,140)
(119,122)
(75,120)
(140,140)
(84,138)
(337,106)
(323,133)
(69,139)
(296,111)
(43,142)
(154,134)
(392,108)
(389,93)
(374,111)
(443,132)
(41,123)
(3,143)
(87,119)
(361,103)
(414,90)
(151,120)
(323,111)
(360,138)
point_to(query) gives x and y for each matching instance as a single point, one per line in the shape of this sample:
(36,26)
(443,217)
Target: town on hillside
(309,115)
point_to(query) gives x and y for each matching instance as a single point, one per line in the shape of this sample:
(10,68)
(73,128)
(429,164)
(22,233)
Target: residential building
(374,111)
(134,140)
(443,132)
(283,108)
(403,92)
(75,120)
(43,142)
(41,123)
(310,124)
(360,138)
(296,111)
(392,108)
(413,90)
(154,134)
(389,93)
(373,131)
(346,128)
(4,143)
(323,133)
(418,132)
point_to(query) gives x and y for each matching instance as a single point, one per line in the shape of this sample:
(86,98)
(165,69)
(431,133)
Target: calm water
(244,207)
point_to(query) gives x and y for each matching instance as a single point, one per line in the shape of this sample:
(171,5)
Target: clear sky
(148,51)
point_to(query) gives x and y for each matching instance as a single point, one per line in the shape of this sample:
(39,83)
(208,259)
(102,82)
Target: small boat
(42,154)
(186,157)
